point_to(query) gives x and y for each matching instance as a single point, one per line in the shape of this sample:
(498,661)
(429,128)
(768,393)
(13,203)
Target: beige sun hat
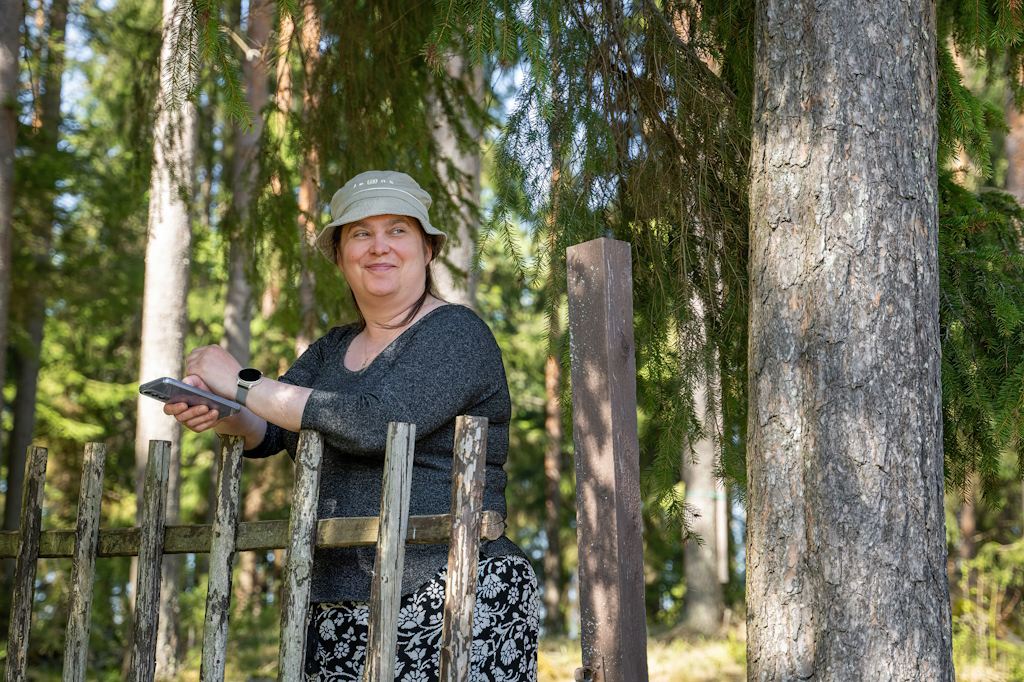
(377,193)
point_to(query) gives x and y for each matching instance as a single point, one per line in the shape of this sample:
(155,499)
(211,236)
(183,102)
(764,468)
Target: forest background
(534,127)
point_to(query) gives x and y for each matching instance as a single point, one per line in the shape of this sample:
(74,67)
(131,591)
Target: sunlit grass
(679,660)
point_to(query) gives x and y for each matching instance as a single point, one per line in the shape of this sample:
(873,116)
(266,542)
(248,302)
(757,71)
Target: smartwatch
(247,378)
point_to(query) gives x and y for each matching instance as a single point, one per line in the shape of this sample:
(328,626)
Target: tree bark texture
(846,545)
(12,15)
(553,494)
(164,301)
(454,278)
(245,175)
(309,187)
(1014,152)
(703,603)
(27,359)
(968,521)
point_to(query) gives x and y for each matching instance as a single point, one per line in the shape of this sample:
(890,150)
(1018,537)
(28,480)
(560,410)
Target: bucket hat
(377,193)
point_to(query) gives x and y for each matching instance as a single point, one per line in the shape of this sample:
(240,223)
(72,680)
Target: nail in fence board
(83,566)
(468,477)
(613,628)
(25,566)
(386,588)
(222,554)
(298,569)
(151,551)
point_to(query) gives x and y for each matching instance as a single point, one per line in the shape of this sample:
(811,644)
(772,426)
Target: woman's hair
(433,241)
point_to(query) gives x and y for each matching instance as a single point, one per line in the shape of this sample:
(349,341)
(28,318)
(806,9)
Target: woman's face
(383,257)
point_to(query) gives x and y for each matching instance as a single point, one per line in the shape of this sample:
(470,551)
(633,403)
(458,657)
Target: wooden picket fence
(613,628)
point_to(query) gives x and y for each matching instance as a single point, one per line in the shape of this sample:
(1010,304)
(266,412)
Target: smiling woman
(412,358)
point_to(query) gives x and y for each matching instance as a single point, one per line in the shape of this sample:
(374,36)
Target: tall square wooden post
(613,626)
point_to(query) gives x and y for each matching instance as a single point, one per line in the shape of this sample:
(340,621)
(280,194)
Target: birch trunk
(453,276)
(164,306)
(846,545)
(703,604)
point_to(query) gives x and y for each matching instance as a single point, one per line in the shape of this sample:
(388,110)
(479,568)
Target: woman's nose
(380,244)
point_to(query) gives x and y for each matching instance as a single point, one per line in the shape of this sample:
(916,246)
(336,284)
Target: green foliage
(982,329)
(965,120)
(621,129)
(987,621)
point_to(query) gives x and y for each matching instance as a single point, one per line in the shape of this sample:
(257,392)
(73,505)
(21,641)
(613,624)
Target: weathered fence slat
(468,476)
(222,555)
(151,548)
(613,627)
(25,566)
(386,588)
(83,566)
(253,536)
(302,528)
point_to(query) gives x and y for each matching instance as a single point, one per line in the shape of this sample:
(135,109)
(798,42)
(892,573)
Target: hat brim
(382,201)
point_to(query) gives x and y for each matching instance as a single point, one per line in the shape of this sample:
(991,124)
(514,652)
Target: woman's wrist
(278,403)
(250,426)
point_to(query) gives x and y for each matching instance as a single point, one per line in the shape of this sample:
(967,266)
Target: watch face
(249,374)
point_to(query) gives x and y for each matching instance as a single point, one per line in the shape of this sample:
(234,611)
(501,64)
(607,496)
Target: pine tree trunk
(968,521)
(245,175)
(165,308)
(553,500)
(455,280)
(309,187)
(247,586)
(846,544)
(239,303)
(27,366)
(703,604)
(1014,142)
(12,15)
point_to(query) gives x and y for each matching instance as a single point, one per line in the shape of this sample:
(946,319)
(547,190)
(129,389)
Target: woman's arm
(213,369)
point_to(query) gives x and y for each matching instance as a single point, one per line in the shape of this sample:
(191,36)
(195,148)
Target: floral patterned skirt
(505,630)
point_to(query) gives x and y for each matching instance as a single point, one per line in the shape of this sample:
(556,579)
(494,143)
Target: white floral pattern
(505,630)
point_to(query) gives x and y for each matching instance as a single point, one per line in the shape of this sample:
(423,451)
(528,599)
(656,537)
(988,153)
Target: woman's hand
(198,418)
(216,367)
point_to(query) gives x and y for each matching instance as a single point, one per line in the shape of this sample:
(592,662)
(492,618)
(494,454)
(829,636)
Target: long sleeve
(301,373)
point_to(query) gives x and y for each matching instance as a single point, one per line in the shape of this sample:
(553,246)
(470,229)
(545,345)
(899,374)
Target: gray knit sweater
(444,365)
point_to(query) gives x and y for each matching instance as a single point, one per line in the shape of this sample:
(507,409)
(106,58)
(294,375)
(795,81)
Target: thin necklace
(366,347)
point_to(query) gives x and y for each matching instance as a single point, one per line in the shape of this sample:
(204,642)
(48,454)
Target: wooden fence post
(468,477)
(151,554)
(302,528)
(386,588)
(83,566)
(613,626)
(25,566)
(222,555)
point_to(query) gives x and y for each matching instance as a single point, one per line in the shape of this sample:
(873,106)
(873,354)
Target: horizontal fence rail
(253,536)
